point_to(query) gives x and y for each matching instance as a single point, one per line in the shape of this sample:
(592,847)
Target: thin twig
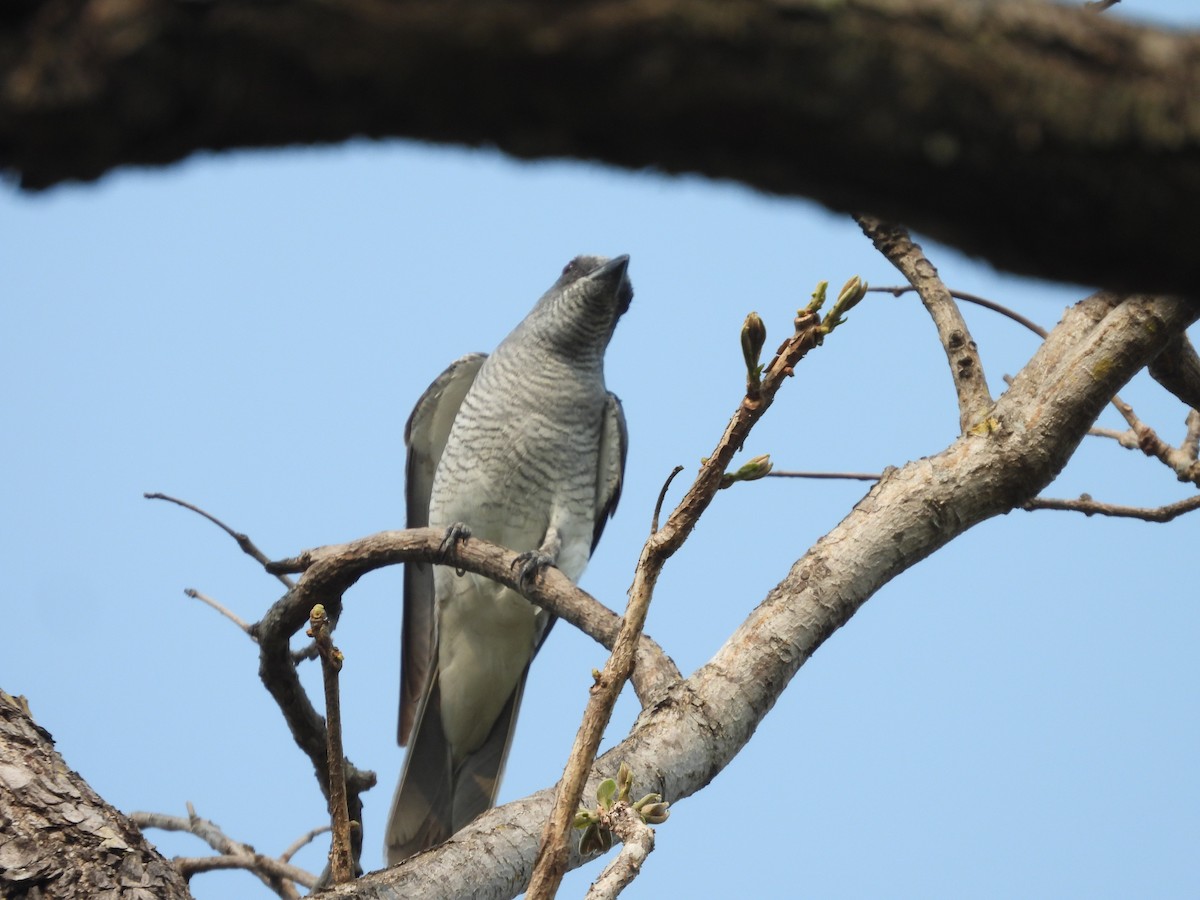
(895,243)
(1099,5)
(278,875)
(1090,507)
(1176,371)
(243,540)
(340,853)
(301,842)
(274,873)
(204,598)
(662,495)
(660,546)
(975,299)
(851,476)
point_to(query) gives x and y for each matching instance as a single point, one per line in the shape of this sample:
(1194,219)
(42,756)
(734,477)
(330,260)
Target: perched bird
(525,448)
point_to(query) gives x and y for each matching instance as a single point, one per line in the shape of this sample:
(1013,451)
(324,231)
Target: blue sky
(1016,716)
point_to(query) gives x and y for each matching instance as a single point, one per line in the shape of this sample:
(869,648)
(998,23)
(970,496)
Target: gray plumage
(525,448)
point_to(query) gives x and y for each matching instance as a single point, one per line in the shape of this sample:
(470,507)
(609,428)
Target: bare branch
(975,300)
(204,598)
(851,476)
(1090,507)
(662,495)
(894,242)
(274,873)
(340,853)
(303,841)
(1180,461)
(243,540)
(1177,369)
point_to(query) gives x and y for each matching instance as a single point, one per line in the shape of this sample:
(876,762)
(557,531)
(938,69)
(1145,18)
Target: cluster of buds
(597,835)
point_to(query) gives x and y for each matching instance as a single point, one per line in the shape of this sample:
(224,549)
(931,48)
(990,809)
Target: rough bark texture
(58,839)
(1046,139)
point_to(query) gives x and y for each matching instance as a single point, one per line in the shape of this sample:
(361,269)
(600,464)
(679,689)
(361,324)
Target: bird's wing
(610,470)
(425,436)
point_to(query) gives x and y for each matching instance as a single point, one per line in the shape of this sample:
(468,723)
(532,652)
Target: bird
(525,448)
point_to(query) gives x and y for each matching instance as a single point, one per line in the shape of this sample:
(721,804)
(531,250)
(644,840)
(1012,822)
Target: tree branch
(895,243)
(690,735)
(243,540)
(1090,507)
(59,837)
(928,112)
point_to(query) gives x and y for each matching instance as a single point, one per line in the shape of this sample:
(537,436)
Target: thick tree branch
(1047,140)
(682,742)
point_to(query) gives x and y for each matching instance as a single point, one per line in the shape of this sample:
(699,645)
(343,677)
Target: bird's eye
(570,267)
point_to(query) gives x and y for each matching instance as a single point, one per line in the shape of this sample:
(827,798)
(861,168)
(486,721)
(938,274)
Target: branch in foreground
(1033,101)
(688,737)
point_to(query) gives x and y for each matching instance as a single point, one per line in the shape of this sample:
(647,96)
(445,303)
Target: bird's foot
(455,534)
(529,566)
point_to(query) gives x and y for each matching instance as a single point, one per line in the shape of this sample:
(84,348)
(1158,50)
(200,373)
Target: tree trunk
(58,839)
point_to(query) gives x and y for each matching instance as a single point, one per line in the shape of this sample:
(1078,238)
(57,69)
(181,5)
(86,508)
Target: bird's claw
(529,566)
(455,534)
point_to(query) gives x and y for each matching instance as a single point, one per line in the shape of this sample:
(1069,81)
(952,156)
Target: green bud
(754,335)
(848,297)
(655,813)
(852,292)
(624,782)
(649,798)
(583,818)
(752,470)
(606,794)
(818,299)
